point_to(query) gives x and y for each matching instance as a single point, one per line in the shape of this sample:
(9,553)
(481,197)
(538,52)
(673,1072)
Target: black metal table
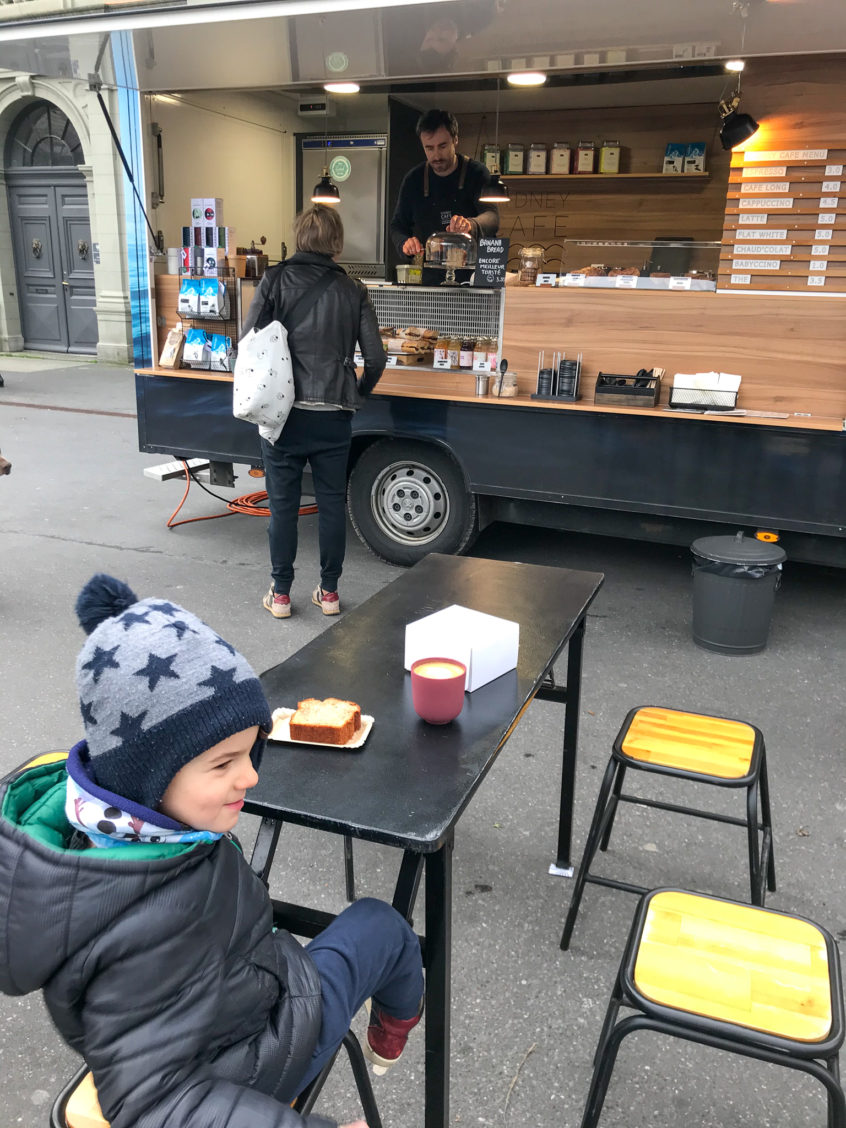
(409,784)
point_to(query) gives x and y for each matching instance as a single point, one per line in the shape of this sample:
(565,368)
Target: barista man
(442,193)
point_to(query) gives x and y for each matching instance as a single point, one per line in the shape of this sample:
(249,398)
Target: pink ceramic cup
(437,689)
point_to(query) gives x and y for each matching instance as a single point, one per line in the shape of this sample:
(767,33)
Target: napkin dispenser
(704,391)
(486,644)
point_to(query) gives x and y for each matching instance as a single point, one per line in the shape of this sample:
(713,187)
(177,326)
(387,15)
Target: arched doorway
(51,232)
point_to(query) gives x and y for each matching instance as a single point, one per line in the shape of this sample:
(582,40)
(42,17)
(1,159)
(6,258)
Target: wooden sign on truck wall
(785,225)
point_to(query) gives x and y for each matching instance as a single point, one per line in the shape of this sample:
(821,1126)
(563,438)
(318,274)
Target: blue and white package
(214,299)
(196,351)
(209,297)
(189,297)
(221,353)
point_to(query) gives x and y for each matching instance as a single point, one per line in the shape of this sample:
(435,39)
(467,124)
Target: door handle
(66,283)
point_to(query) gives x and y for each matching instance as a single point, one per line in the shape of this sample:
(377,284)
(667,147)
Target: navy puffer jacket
(159,965)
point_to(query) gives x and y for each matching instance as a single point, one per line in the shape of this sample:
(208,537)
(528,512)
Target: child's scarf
(108,820)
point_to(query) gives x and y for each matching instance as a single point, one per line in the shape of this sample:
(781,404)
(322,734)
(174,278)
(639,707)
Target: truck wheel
(407,499)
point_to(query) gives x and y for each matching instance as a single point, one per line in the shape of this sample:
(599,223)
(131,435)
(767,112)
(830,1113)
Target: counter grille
(451,311)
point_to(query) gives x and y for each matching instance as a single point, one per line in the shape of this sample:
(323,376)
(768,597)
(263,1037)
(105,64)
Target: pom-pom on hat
(157,687)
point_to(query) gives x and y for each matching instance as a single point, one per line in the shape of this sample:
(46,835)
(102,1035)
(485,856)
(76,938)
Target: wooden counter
(457,387)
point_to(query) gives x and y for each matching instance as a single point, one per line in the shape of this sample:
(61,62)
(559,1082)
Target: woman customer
(327,394)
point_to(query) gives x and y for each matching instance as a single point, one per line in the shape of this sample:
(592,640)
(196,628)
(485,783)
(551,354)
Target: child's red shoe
(386,1037)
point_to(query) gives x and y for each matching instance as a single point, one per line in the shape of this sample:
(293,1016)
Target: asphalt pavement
(526,1016)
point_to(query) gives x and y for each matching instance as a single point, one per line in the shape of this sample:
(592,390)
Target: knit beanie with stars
(157,687)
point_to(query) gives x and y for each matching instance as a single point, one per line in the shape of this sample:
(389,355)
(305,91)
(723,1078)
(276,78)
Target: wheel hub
(410,502)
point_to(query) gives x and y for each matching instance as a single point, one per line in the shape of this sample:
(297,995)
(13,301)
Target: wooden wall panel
(789,351)
(799,106)
(547,210)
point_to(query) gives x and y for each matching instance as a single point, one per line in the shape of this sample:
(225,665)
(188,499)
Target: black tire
(409,498)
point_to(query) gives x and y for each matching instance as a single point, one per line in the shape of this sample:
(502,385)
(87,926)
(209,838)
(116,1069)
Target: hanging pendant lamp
(495,192)
(325,192)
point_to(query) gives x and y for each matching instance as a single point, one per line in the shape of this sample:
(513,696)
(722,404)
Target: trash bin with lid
(734,585)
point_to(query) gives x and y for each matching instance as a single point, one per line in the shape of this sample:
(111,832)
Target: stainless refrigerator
(358,165)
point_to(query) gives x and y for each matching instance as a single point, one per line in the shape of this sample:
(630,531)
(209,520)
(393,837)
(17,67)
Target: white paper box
(213,211)
(486,644)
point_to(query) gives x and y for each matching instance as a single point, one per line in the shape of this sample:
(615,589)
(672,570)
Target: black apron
(433,214)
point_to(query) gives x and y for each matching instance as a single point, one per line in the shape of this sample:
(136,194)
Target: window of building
(43,137)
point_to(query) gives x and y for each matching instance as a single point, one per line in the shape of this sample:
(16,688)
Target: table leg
(265,847)
(438,959)
(408,882)
(563,865)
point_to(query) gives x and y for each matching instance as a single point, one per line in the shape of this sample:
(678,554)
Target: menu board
(491,257)
(785,223)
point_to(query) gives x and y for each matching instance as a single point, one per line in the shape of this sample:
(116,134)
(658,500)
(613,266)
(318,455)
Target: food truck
(661,327)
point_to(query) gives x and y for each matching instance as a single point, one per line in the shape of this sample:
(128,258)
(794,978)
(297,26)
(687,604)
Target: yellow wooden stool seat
(693,746)
(733,963)
(83,1108)
(690,742)
(734,977)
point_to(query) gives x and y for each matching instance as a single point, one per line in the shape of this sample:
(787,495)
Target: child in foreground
(124,897)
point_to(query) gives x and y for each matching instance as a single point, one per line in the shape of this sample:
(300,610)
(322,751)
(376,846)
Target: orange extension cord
(249,504)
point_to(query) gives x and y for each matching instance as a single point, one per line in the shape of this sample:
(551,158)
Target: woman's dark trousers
(321,438)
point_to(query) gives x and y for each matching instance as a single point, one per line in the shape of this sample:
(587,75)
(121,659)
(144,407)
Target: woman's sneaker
(386,1037)
(279,606)
(327,601)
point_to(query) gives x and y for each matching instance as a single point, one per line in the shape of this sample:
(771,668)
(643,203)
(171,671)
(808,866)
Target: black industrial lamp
(495,192)
(736,128)
(325,192)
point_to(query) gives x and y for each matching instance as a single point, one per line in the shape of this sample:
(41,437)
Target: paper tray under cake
(281,732)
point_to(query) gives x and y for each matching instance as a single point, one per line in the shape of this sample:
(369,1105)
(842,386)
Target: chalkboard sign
(491,258)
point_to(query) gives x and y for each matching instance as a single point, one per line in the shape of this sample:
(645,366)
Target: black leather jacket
(323,339)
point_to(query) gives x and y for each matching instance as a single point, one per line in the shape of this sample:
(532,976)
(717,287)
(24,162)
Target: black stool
(734,977)
(693,746)
(77,1105)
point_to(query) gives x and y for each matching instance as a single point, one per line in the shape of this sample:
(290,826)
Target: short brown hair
(433,120)
(319,229)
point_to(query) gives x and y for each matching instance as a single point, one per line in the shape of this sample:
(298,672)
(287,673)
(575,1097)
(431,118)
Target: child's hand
(355,1124)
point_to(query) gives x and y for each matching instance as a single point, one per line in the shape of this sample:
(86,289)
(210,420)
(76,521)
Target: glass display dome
(450,251)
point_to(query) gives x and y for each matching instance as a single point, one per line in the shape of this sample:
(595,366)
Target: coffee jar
(531,264)
(586,157)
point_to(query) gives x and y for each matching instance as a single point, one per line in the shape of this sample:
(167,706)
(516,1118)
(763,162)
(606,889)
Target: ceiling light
(734,65)
(325,192)
(341,87)
(527,78)
(495,192)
